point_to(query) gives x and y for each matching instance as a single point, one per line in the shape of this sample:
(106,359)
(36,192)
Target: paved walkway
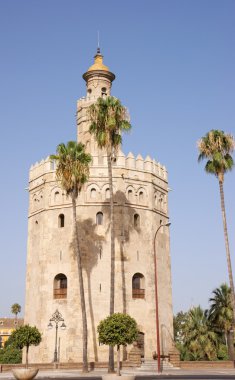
(169,374)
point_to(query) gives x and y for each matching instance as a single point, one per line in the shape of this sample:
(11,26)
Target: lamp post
(156,298)
(56,317)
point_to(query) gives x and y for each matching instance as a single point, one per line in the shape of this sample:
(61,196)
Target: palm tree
(221,314)
(108,120)
(16,309)
(217,147)
(72,171)
(199,338)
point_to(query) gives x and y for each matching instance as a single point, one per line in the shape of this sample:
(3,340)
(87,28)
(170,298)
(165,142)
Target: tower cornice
(98,73)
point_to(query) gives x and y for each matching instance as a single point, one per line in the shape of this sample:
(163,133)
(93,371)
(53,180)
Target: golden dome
(98,68)
(98,64)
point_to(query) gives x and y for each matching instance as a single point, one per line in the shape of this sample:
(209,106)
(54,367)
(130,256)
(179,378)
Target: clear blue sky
(174,62)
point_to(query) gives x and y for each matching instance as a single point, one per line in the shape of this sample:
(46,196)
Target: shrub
(10,355)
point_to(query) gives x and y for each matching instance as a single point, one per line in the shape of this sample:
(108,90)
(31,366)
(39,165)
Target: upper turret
(98,78)
(99,82)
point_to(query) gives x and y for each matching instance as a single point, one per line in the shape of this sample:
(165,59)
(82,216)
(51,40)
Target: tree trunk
(226,338)
(230,274)
(80,277)
(112,270)
(27,356)
(230,344)
(118,361)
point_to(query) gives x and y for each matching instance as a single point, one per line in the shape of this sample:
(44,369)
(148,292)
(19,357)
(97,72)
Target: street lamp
(156,298)
(56,317)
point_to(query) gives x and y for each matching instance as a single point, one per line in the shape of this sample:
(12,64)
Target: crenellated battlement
(84,100)
(39,168)
(129,162)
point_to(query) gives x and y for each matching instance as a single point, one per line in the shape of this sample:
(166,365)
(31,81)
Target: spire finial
(98,42)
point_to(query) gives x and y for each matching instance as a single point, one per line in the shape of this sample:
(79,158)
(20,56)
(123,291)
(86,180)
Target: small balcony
(138,293)
(60,293)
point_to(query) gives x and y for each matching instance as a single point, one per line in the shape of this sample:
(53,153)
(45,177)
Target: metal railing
(60,293)
(138,293)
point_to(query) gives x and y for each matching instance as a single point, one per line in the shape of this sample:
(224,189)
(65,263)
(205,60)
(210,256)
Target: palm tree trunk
(230,274)
(81,285)
(230,344)
(112,270)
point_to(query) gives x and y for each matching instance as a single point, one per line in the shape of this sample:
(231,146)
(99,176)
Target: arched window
(61,221)
(141,196)
(89,91)
(107,193)
(60,286)
(138,286)
(161,201)
(56,196)
(103,91)
(130,195)
(88,145)
(99,218)
(93,193)
(136,221)
(155,200)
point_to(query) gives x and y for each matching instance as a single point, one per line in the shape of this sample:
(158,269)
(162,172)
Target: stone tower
(141,205)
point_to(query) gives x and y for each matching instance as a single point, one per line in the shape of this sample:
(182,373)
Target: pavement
(172,374)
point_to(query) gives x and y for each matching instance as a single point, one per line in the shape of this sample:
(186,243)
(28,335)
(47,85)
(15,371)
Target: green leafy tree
(200,340)
(108,120)
(73,171)
(117,330)
(216,147)
(10,355)
(26,336)
(222,352)
(179,322)
(16,309)
(221,314)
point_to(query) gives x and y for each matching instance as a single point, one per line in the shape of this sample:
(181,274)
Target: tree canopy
(205,334)
(217,146)
(221,312)
(117,330)
(72,166)
(109,118)
(16,309)
(26,336)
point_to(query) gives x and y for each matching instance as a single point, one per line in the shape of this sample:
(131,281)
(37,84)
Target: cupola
(98,78)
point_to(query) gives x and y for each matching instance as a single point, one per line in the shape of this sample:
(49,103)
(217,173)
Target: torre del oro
(140,207)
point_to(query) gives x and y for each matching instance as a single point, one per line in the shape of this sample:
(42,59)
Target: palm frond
(108,119)
(217,147)
(72,166)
